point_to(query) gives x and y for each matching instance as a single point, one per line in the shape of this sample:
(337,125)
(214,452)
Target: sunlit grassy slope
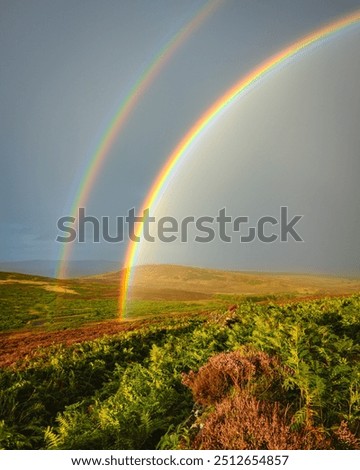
(200,350)
(34,302)
(263,376)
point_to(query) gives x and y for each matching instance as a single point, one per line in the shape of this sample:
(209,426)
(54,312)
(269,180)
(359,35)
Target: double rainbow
(122,115)
(243,85)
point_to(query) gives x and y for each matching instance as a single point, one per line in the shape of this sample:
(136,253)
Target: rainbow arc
(167,172)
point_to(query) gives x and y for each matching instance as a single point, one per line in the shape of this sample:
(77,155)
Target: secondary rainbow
(128,104)
(209,116)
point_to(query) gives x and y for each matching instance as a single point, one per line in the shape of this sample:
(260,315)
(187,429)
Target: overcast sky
(66,66)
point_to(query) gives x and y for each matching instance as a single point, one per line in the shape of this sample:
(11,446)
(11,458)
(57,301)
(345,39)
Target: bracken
(229,385)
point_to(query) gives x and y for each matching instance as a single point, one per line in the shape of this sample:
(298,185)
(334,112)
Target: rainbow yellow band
(234,92)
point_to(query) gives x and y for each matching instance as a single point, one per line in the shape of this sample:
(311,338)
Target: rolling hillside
(34,302)
(172,282)
(199,349)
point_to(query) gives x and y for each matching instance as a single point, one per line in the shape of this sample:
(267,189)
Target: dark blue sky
(65,68)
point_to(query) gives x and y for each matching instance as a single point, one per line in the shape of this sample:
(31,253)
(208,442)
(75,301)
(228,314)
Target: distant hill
(39,303)
(48,267)
(173,282)
(187,283)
